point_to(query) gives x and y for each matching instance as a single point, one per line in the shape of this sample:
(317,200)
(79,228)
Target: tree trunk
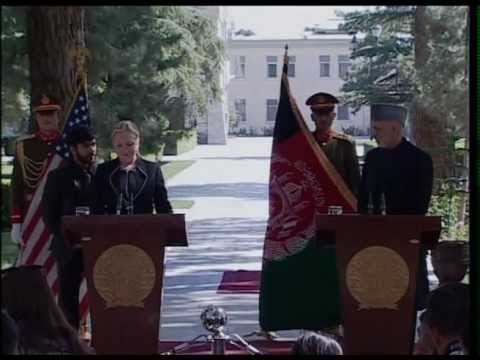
(466,160)
(428,130)
(53,33)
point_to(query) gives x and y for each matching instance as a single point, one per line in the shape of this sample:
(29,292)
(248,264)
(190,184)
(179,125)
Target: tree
(15,81)
(382,63)
(441,65)
(420,61)
(153,64)
(54,33)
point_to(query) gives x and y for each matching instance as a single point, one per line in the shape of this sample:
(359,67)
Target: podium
(377,265)
(123,264)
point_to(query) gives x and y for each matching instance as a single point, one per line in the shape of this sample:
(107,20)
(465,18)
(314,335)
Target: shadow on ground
(245,190)
(191,283)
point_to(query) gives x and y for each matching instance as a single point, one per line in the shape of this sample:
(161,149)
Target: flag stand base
(214,320)
(218,343)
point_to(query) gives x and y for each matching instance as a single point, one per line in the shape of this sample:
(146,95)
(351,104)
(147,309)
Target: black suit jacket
(66,188)
(150,192)
(404,174)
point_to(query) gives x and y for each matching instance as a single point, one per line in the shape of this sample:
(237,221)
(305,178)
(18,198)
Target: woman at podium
(129,184)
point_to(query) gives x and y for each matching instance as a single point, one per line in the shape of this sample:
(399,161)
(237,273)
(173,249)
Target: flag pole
(82,54)
(285,60)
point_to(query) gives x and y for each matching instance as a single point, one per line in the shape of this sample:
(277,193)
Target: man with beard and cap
(339,148)
(397,177)
(32,153)
(68,188)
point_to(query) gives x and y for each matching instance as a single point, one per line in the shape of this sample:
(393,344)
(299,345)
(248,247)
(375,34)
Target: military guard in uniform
(30,159)
(397,176)
(339,148)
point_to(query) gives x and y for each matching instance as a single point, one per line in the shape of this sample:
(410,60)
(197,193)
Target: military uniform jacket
(341,151)
(404,174)
(67,187)
(149,190)
(29,164)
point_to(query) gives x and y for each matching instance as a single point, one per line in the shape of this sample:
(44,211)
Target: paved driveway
(226,226)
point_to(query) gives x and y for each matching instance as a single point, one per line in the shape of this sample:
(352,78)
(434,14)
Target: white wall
(256,87)
(213,127)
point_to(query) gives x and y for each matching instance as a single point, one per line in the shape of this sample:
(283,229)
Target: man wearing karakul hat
(398,172)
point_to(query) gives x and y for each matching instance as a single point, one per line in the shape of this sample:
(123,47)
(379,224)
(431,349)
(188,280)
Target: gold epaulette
(341,136)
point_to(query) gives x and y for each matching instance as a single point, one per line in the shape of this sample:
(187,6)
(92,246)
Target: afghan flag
(299,287)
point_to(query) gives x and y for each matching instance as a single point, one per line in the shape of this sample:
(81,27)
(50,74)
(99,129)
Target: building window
(343,66)
(239,67)
(271,66)
(291,66)
(343,112)
(324,65)
(271,109)
(241,109)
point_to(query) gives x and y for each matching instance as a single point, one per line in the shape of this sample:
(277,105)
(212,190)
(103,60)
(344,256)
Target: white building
(213,127)
(317,63)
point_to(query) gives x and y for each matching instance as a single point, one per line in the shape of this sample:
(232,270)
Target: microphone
(130,204)
(119,203)
(371,188)
(129,194)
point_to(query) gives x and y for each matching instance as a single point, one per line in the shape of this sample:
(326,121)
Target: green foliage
(442,82)
(384,70)
(448,203)
(180,142)
(156,65)
(15,81)
(382,64)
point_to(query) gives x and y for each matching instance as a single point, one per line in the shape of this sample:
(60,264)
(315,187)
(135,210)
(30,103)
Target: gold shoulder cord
(29,166)
(21,157)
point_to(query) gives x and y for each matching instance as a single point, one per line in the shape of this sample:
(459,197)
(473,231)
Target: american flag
(35,236)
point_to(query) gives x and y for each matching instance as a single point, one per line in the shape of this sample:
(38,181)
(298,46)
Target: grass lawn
(6,174)
(169,170)
(7,169)
(172,168)
(182,204)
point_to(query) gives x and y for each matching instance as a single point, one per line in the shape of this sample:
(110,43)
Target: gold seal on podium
(377,277)
(124,275)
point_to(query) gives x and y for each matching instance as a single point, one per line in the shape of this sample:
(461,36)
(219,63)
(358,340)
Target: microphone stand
(119,203)
(214,319)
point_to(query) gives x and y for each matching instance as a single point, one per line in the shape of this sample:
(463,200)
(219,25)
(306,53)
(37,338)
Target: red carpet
(240,282)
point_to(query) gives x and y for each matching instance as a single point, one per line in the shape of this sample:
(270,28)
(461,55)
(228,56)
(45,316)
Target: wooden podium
(377,265)
(123,262)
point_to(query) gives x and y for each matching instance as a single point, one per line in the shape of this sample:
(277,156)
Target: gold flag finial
(81,55)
